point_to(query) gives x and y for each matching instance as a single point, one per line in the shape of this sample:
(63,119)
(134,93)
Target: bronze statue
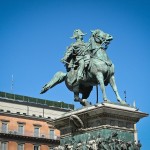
(77,55)
(87,65)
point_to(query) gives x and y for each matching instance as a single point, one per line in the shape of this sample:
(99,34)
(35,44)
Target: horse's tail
(58,78)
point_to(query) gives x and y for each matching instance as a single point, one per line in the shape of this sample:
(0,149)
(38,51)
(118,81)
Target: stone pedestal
(105,126)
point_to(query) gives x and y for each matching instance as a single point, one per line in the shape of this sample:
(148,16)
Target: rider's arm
(67,53)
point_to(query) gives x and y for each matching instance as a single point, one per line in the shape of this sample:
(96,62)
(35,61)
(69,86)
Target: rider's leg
(80,69)
(86,60)
(100,79)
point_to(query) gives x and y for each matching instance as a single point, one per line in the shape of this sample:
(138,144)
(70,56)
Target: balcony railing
(30,134)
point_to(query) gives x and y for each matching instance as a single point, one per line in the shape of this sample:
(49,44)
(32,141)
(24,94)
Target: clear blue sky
(34,35)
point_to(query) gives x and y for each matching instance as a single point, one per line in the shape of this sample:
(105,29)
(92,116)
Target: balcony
(29,136)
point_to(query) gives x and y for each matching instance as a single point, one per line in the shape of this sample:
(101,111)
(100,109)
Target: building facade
(26,122)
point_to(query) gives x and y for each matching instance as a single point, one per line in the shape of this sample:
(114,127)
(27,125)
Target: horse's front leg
(76,93)
(100,79)
(76,97)
(83,102)
(114,87)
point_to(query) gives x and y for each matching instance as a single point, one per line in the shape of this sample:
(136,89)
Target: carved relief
(111,142)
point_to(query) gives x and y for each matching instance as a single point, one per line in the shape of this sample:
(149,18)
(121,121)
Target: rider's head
(78,34)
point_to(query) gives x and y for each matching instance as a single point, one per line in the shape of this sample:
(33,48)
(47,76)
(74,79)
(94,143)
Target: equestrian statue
(87,65)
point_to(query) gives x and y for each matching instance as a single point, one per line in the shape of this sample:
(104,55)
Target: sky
(34,35)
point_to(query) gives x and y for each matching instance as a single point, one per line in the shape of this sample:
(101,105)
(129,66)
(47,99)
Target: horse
(100,71)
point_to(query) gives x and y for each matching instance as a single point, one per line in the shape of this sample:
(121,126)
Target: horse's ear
(93,32)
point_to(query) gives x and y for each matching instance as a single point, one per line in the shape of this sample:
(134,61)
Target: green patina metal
(105,135)
(87,65)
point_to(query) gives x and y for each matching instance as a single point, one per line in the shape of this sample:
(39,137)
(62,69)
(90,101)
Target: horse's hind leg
(76,93)
(86,92)
(58,78)
(114,87)
(100,79)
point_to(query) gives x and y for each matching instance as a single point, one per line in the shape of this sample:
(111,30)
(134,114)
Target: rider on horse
(76,55)
(99,72)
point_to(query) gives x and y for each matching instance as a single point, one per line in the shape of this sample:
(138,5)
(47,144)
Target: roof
(32,100)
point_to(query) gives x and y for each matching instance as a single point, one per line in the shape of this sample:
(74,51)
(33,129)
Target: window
(20,146)
(4,127)
(36,131)
(36,147)
(20,128)
(52,134)
(3,145)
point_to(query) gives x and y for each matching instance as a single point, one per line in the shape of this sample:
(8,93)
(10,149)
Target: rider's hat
(77,33)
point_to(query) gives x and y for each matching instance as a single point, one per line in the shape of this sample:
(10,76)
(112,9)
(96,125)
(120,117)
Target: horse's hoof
(44,86)
(42,91)
(106,100)
(78,100)
(84,102)
(122,102)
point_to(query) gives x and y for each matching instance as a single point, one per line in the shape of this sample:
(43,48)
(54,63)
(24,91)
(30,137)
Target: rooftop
(32,100)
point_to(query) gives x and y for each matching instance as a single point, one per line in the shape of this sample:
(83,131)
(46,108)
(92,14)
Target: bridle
(102,40)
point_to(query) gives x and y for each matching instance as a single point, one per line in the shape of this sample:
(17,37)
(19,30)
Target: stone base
(103,126)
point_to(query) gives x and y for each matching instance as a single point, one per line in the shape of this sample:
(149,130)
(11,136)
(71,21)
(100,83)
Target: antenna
(125,95)
(12,83)
(134,105)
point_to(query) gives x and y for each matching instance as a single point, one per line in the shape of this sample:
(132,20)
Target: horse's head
(101,37)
